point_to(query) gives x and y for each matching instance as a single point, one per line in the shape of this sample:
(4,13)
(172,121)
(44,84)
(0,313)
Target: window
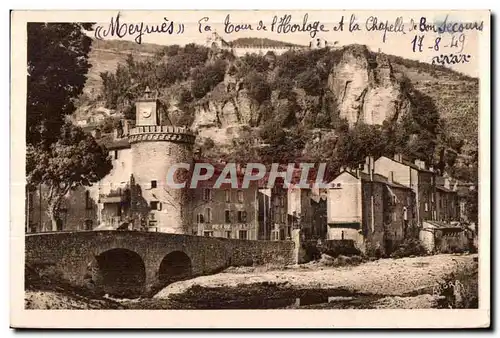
(240,196)
(208,213)
(208,233)
(154,205)
(243,234)
(228,234)
(88,224)
(227,216)
(59,224)
(200,218)
(116,154)
(282,201)
(169,151)
(153,224)
(207,194)
(228,196)
(426,206)
(242,216)
(88,201)
(153,184)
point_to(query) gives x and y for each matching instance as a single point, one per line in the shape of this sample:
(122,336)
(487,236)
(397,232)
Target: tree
(310,81)
(205,78)
(74,160)
(257,86)
(57,68)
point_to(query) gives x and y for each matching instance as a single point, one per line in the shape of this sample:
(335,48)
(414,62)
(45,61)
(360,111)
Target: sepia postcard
(250,169)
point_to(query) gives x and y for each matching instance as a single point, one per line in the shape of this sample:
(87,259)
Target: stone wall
(151,161)
(74,253)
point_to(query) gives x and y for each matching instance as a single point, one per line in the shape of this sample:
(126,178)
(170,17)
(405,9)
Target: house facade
(372,210)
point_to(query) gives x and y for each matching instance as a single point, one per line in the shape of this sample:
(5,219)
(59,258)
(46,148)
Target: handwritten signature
(122,29)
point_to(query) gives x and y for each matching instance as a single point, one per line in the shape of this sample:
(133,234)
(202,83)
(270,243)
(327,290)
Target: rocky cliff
(311,89)
(366,88)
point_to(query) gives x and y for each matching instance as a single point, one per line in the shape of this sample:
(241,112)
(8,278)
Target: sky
(402,43)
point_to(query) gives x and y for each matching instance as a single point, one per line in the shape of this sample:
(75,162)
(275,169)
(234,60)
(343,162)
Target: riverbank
(386,283)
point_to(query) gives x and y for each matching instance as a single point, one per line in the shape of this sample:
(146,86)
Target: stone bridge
(132,263)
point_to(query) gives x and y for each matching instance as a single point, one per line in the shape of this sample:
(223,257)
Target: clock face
(146,113)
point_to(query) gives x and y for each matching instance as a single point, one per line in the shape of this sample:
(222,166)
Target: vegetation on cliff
(288,110)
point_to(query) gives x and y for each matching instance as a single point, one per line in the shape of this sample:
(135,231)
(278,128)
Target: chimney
(367,165)
(398,157)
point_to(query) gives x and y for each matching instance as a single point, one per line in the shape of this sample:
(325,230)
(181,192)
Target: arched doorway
(121,273)
(174,267)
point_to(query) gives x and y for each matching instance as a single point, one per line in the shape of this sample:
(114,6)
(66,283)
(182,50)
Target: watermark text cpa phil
(252,172)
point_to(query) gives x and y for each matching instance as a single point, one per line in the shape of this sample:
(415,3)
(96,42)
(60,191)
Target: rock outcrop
(366,88)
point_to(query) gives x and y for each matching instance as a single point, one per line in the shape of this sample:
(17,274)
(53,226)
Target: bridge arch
(121,272)
(175,266)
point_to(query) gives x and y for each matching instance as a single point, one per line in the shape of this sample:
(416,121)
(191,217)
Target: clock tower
(155,149)
(146,110)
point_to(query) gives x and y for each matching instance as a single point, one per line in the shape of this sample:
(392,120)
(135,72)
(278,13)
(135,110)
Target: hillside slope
(233,101)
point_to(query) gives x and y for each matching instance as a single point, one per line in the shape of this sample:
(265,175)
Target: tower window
(116,154)
(88,200)
(153,184)
(240,196)
(228,196)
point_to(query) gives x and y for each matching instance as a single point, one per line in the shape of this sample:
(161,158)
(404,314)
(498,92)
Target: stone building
(79,211)
(374,211)
(216,42)
(418,177)
(307,210)
(225,211)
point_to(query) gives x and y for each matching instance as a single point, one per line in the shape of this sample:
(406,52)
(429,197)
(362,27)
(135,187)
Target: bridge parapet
(75,253)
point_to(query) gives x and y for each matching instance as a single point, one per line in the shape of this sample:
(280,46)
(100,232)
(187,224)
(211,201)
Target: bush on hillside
(205,78)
